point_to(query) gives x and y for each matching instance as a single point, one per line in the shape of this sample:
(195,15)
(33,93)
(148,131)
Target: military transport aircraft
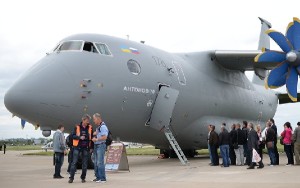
(145,94)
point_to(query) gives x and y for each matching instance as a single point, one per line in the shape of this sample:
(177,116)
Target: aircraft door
(163,107)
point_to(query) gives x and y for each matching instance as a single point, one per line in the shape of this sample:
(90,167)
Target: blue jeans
(225,155)
(85,155)
(272,156)
(59,160)
(99,152)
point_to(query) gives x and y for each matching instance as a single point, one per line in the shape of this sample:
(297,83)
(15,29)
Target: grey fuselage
(63,86)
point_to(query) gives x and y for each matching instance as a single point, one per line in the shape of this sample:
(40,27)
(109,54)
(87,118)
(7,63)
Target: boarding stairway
(175,146)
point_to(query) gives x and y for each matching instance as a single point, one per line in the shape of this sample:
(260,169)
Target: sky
(29,29)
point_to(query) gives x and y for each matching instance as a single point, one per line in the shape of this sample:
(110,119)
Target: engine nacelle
(46,133)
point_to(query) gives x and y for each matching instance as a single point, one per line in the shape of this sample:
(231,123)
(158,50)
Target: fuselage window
(134,67)
(70,45)
(103,49)
(90,47)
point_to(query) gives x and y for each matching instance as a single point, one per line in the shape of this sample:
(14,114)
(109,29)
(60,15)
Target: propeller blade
(280,81)
(23,122)
(281,40)
(296,34)
(290,32)
(274,79)
(291,83)
(270,56)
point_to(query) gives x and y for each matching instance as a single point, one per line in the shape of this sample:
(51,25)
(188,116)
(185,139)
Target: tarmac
(17,170)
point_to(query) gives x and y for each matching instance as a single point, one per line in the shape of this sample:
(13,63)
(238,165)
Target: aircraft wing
(284,98)
(242,60)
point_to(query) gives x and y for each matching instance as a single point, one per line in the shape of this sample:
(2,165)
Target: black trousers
(232,156)
(85,154)
(214,154)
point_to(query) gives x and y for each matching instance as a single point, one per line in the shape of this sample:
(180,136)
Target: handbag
(281,141)
(255,156)
(270,145)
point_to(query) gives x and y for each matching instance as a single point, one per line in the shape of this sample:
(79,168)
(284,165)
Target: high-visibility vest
(75,142)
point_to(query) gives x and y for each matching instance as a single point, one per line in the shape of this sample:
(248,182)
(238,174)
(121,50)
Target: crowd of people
(243,145)
(84,141)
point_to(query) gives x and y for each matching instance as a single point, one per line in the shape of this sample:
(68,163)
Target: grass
(23,148)
(130,151)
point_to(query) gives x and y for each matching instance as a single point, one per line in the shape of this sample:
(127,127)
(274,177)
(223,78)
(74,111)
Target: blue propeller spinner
(289,68)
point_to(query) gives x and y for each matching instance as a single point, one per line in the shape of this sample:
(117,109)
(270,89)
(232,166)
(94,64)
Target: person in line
(274,127)
(270,142)
(296,139)
(246,152)
(101,134)
(287,142)
(260,141)
(232,155)
(213,144)
(59,148)
(252,143)
(69,143)
(4,148)
(239,140)
(82,143)
(208,146)
(224,139)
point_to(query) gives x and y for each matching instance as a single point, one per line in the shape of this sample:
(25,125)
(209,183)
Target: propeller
(286,73)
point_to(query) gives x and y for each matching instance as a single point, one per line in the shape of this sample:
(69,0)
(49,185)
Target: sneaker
(94,180)
(101,181)
(83,181)
(288,165)
(70,181)
(58,177)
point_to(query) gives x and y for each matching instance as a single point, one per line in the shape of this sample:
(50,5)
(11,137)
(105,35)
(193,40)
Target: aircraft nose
(43,88)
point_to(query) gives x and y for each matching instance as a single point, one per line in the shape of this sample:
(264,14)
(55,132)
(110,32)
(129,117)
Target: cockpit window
(70,45)
(103,49)
(90,47)
(78,45)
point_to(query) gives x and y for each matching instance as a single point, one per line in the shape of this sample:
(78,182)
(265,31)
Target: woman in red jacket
(287,141)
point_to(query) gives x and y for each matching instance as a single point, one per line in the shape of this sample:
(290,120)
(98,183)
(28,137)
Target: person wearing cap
(296,139)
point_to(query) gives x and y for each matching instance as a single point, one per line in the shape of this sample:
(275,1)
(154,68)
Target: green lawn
(23,148)
(130,151)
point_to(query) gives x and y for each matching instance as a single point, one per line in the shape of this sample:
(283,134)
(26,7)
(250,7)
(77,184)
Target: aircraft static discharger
(145,94)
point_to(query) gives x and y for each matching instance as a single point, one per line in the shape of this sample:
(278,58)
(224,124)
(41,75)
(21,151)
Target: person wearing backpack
(99,140)
(69,143)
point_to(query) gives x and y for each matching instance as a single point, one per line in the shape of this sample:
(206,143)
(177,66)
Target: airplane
(142,91)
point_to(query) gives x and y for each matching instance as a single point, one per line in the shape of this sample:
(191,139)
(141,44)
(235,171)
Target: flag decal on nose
(127,49)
